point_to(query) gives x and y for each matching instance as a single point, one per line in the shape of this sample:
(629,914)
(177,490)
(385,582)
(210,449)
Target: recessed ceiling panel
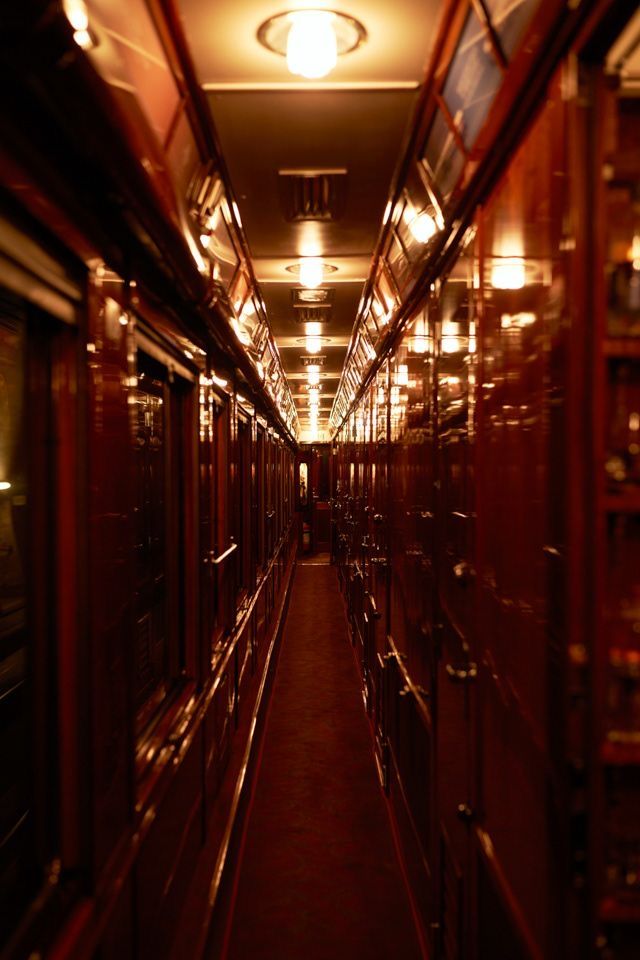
(264,132)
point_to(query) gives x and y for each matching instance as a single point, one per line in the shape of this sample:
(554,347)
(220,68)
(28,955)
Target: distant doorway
(313,496)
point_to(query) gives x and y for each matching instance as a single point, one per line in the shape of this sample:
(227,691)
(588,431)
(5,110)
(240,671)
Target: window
(159,434)
(473,80)
(243,504)
(27,611)
(260,495)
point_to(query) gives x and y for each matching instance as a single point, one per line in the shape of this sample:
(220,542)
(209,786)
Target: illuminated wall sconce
(311,40)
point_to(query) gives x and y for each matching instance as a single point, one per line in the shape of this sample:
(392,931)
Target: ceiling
(351,125)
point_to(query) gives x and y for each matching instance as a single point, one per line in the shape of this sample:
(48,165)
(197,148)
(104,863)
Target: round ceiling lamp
(311,40)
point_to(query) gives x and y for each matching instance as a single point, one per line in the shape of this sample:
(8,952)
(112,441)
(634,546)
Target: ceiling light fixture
(311,40)
(311,272)
(312,47)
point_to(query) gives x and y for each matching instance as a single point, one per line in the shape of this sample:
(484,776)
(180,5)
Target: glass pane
(385,296)
(371,326)
(12,486)
(150,540)
(473,80)
(221,246)
(14,772)
(418,201)
(397,260)
(622,219)
(509,19)
(443,159)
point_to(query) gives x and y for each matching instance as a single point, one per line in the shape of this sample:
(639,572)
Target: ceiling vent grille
(312,315)
(312,194)
(316,360)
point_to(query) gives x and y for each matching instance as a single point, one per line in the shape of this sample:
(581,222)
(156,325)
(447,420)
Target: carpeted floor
(318,877)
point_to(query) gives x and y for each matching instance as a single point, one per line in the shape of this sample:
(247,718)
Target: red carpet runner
(318,875)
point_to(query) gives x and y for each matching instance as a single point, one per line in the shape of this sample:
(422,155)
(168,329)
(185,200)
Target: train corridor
(317,874)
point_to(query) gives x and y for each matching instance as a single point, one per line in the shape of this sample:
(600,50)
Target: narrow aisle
(318,875)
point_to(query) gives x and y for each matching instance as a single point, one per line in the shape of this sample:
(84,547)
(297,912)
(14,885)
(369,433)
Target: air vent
(312,194)
(313,361)
(312,315)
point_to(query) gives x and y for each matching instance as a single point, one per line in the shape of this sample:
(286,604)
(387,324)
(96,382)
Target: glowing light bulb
(312,49)
(313,344)
(5,485)
(313,376)
(311,272)
(423,227)
(313,329)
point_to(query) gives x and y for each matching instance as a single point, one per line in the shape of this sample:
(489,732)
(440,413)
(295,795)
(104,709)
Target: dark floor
(318,875)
